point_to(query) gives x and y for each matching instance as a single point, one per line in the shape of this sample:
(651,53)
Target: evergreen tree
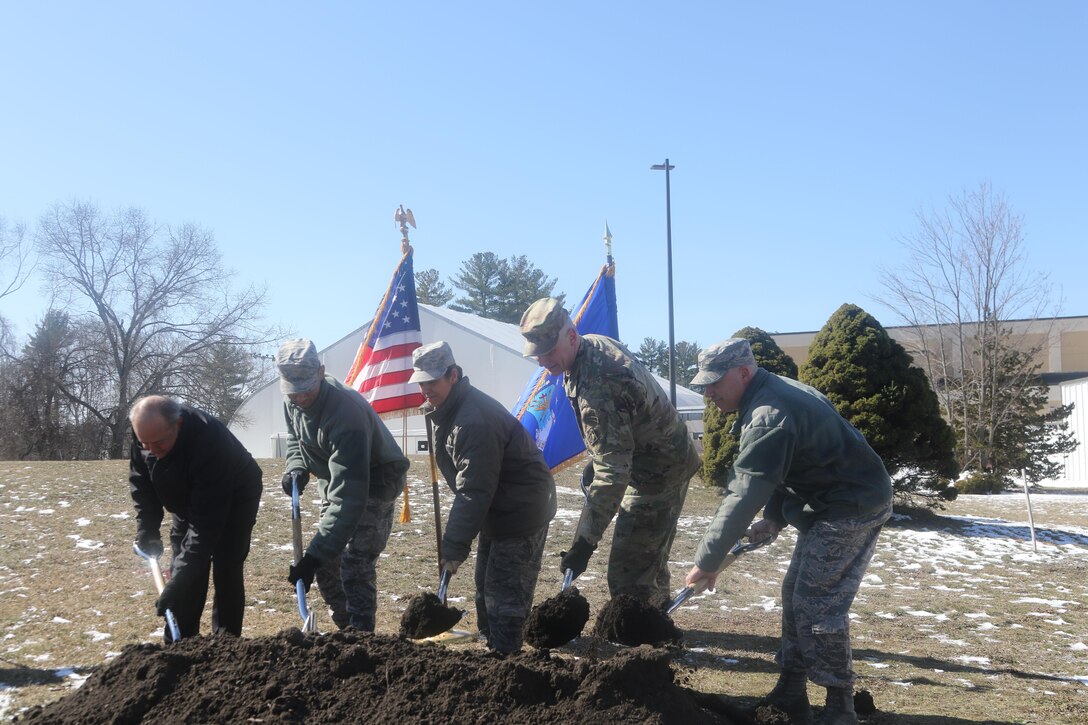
(719,445)
(431,290)
(686,358)
(872,381)
(480,281)
(500,289)
(654,354)
(1022,434)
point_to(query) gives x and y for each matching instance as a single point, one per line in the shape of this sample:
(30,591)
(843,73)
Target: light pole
(667,167)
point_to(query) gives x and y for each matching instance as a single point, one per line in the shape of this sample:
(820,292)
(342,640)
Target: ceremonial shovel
(156,574)
(308,624)
(687,592)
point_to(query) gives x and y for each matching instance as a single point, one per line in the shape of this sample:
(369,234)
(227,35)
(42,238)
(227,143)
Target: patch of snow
(97,636)
(968,659)
(83,522)
(1079,646)
(61,620)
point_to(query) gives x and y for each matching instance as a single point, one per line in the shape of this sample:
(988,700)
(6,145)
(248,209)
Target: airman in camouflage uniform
(333,433)
(805,465)
(641,452)
(504,494)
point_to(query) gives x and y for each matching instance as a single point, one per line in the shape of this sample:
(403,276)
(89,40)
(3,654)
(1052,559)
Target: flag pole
(404,218)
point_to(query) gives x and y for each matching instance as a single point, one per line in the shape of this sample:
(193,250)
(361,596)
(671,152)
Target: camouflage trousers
(349,583)
(825,572)
(506,574)
(641,541)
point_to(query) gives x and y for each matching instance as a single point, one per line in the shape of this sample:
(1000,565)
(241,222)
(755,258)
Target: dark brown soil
(426,616)
(863,703)
(630,621)
(351,676)
(558,620)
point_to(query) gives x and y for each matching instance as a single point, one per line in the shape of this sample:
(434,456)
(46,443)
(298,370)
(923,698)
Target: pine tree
(719,445)
(872,381)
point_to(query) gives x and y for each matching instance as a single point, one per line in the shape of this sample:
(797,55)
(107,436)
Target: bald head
(156,421)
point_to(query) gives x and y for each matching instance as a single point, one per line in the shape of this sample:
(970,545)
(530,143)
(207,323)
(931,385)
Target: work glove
(305,569)
(173,592)
(150,544)
(578,557)
(587,478)
(303,478)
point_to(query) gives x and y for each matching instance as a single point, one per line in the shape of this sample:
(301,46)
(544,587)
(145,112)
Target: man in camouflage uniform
(805,465)
(333,433)
(642,454)
(504,493)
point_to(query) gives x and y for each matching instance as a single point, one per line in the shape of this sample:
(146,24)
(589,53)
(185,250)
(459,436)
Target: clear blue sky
(805,138)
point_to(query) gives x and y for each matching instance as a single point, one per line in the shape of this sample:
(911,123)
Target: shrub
(981,482)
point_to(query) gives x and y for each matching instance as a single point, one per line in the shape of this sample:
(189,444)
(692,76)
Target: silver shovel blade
(682,596)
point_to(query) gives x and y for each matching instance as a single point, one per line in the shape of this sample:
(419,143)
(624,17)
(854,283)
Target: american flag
(384,361)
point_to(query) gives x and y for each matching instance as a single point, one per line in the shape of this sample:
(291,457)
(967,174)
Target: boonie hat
(299,366)
(540,325)
(431,361)
(721,357)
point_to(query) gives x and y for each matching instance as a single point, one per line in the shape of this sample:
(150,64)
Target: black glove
(587,478)
(171,595)
(305,569)
(150,544)
(578,557)
(303,477)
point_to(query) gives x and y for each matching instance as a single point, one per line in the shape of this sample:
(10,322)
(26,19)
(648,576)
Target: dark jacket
(503,486)
(204,472)
(799,459)
(343,442)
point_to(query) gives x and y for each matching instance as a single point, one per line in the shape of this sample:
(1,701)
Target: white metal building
(489,352)
(1076,463)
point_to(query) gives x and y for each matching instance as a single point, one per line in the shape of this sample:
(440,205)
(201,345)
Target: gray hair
(168,408)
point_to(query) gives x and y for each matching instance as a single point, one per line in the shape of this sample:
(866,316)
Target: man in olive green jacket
(333,433)
(805,465)
(504,494)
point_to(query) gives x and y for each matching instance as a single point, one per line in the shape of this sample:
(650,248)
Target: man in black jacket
(186,462)
(504,490)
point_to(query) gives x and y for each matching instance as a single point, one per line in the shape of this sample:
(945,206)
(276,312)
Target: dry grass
(958,622)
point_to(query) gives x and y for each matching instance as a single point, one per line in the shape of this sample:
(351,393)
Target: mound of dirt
(558,620)
(630,621)
(351,676)
(427,616)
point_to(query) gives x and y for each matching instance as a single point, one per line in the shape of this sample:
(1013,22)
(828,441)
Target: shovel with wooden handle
(434,493)
(740,548)
(160,584)
(308,623)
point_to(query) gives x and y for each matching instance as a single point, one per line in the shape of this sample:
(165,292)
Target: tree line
(138,307)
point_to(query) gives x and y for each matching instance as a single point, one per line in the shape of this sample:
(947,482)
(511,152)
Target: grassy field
(960,620)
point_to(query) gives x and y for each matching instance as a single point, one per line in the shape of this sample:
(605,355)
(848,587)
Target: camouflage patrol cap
(541,324)
(299,366)
(721,357)
(431,361)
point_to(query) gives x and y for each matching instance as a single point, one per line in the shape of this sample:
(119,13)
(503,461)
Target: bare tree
(159,299)
(15,250)
(15,264)
(965,279)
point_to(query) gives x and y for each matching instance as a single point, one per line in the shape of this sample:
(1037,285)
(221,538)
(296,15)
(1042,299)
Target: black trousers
(225,567)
